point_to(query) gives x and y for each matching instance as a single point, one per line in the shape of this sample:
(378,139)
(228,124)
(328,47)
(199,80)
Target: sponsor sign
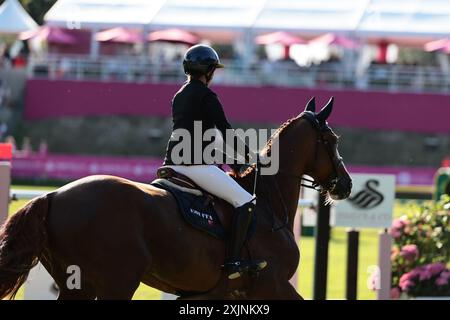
(370,204)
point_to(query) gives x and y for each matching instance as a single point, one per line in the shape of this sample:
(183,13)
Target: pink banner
(355,109)
(404,176)
(69,167)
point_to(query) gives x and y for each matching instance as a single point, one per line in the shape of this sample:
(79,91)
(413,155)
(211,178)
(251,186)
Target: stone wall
(148,137)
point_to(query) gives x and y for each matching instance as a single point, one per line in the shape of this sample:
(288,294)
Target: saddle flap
(195,208)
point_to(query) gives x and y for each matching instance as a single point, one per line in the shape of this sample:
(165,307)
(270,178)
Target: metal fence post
(321,250)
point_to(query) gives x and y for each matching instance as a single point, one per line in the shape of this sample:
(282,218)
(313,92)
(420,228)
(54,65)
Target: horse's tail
(22,239)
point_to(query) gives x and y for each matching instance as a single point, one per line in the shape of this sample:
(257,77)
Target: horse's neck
(286,199)
(282,190)
(293,156)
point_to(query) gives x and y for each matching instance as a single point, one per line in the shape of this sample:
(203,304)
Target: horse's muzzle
(342,188)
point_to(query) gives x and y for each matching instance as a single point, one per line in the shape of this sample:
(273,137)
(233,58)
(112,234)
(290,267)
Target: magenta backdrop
(356,109)
(69,167)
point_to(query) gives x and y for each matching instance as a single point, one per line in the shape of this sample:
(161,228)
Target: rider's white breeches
(217,182)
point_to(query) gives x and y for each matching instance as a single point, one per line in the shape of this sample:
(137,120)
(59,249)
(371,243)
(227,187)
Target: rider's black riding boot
(241,222)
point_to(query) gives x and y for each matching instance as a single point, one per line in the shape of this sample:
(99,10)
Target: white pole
(297,224)
(95,45)
(5,181)
(384,263)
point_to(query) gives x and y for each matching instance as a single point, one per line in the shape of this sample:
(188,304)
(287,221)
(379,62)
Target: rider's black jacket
(196,102)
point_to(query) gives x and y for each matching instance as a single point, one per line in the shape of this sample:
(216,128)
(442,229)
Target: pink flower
(395,293)
(425,274)
(410,252)
(414,273)
(406,277)
(406,281)
(398,223)
(395,233)
(397,227)
(441,281)
(435,268)
(406,285)
(445,274)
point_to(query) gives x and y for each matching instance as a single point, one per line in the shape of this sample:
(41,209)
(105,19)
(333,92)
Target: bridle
(328,185)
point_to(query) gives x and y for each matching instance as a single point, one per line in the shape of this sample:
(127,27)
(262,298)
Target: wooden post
(352,264)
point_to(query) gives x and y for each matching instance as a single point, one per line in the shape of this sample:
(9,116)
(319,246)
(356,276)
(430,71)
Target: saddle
(180,181)
(196,205)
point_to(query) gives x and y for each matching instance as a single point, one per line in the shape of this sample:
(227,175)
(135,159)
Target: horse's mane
(279,131)
(268,146)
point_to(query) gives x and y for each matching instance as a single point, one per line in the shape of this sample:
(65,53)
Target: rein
(330,183)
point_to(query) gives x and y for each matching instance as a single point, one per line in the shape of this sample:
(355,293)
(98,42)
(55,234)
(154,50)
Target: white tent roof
(311,16)
(411,17)
(14,18)
(103,13)
(422,18)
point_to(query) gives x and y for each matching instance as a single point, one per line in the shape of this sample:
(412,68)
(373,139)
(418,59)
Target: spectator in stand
(267,68)
(12,141)
(5,112)
(26,146)
(5,94)
(64,68)
(43,148)
(3,130)
(5,56)
(20,61)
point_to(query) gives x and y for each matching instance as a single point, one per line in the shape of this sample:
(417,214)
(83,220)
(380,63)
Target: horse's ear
(311,105)
(323,114)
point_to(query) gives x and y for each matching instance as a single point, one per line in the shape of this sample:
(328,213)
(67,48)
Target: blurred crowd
(14,55)
(5,108)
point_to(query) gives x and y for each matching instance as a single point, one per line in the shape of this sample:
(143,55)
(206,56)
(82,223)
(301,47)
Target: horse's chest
(279,246)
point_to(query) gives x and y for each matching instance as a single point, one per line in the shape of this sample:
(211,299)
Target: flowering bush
(421,251)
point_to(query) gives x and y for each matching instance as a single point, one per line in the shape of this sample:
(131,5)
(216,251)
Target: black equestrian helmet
(200,59)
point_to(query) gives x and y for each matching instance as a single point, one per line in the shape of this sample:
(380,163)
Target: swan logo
(368,197)
(371,203)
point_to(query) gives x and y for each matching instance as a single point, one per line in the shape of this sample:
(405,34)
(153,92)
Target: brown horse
(120,233)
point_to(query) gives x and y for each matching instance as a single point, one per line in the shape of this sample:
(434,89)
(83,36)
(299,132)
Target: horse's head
(325,165)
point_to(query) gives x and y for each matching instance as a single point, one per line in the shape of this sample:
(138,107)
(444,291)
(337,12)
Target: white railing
(406,78)
(19,194)
(335,75)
